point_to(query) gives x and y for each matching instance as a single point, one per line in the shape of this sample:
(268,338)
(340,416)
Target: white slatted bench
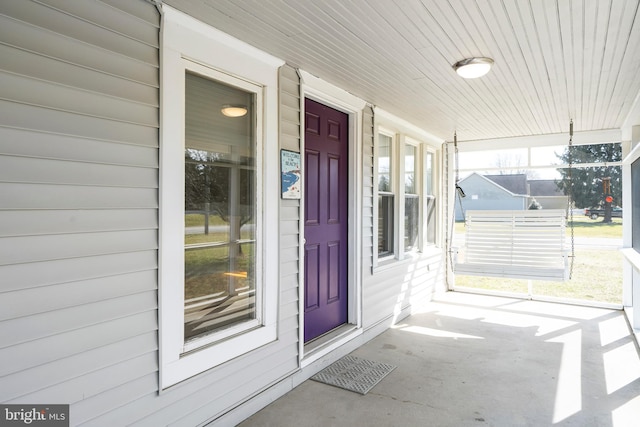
(516,244)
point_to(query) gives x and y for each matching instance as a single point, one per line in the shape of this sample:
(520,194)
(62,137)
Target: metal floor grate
(354,374)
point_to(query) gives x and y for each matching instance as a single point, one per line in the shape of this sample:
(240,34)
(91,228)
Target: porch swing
(519,244)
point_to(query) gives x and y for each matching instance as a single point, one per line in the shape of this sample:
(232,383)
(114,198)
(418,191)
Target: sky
(509,159)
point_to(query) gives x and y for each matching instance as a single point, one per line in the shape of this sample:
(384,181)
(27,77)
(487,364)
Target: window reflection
(220,207)
(385,196)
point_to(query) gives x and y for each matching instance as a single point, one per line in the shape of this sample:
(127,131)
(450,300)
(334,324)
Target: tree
(208,180)
(511,164)
(210,187)
(587,188)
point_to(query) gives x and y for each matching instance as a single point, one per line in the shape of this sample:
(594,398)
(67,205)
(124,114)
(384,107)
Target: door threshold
(327,342)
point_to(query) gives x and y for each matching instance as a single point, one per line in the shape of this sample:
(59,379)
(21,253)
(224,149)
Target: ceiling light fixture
(234,110)
(471,68)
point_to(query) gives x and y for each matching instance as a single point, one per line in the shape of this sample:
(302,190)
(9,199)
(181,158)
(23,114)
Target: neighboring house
(516,182)
(509,191)
(484,193)
(547,193)
(152,272)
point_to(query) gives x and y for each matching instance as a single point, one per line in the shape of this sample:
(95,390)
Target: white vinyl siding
(79,223)
(369,204)
(290,209)
(391,290)
(78,212)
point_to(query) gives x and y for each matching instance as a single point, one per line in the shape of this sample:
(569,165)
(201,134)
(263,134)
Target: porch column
(631,265)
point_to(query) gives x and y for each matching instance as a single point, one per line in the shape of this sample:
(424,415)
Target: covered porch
(473,360)
(117,302)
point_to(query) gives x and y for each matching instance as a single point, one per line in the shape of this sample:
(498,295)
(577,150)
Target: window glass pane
(385,224)
(506,158)
(384,163)
(431,201)
(410,169)
(595,153)
(431,220)
(429,174)
(220,208)
(411,216)
(544,156)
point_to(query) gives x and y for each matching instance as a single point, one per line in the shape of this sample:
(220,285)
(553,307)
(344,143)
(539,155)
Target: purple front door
(325,219)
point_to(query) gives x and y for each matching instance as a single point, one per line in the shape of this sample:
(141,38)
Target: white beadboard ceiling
(555,60)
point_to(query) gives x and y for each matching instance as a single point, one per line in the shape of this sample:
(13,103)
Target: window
(386,201)
(635,205)
(430,199)
(218,187)
(405,191)
(411,199)
(219,209)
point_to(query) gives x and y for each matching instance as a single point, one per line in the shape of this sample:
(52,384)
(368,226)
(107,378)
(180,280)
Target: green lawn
(194,220)
(585,227)
(207,269)
(597,276)
(582,227)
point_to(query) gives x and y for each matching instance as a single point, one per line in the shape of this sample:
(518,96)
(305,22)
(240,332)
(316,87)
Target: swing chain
(459,192)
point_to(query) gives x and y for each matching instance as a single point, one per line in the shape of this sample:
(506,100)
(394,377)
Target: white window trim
(185,38)
(631,263)
(199,342)
(400,141)
(418,177)
(404,133)
(425,244)
(393,153)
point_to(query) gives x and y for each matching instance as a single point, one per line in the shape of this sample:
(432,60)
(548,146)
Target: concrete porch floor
(471,360)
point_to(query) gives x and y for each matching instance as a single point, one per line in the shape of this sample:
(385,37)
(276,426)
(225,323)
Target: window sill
(632,256)
(409,257)
(431,250)
(197,361)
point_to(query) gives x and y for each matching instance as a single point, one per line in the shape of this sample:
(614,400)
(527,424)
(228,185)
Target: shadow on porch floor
(471,360)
